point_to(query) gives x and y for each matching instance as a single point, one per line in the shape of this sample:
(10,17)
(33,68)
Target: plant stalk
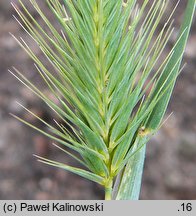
(108,190)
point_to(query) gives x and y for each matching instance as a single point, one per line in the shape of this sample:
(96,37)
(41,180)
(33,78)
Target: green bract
(110,91)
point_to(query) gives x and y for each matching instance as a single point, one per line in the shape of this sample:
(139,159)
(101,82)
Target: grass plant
(104,69)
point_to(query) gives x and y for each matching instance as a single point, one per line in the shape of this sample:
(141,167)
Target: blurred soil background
(170,166)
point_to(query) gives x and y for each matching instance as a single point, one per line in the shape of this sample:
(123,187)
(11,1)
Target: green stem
(108,189)
(108,193)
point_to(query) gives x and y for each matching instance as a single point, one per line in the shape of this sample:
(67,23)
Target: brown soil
(170,166)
